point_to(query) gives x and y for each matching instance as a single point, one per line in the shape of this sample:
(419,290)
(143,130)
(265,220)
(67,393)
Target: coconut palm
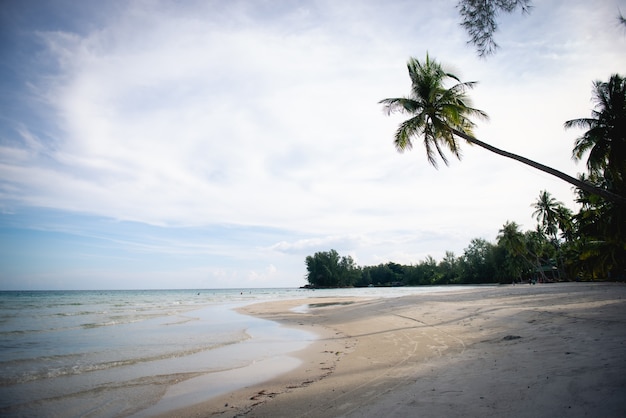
(441,114)
(438,112)
(605,138)
(564,217)
(547,213)
(512,240)
(599,230)
(553,216)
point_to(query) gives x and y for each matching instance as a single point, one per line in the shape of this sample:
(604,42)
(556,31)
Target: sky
(216,144)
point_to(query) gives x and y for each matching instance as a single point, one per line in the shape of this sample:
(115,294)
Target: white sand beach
(516,351)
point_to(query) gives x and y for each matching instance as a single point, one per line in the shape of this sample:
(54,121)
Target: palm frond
(399,105)
(441,154)
(579,123)
(408,129)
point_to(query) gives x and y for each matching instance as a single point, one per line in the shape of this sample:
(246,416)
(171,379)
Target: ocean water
(137,353)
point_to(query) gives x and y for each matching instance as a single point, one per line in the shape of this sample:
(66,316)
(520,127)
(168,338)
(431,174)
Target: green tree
(477,262)
(517,261)
(386,274)
(437,112)
(605,138)
(328,269)
(542,254)
(601,225)
(430,270)
(349,272)
(414,275)
(553,217)
(564,220)
(366,277)
(440,114)
(479,20)
(599,231)
(448,269)
(547,213)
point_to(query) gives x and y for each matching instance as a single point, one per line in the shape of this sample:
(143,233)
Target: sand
(542,350)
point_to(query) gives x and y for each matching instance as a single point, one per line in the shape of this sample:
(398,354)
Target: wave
(68,321)
(21,371)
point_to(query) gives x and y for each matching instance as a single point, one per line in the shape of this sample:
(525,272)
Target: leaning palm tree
(441,114)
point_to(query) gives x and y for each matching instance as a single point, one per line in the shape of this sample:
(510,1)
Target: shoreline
(544,350)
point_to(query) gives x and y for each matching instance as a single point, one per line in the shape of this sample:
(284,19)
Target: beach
(517,351)
(141,353)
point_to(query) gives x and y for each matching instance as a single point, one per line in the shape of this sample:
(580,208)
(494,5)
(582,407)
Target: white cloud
(310,245)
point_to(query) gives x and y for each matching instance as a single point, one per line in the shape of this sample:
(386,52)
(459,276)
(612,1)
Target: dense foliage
(328,269)
(563,246)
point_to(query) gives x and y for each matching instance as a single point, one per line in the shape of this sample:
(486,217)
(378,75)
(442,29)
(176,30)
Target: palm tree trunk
(590,188)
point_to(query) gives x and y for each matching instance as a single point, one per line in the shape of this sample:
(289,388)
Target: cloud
(185,120)
(258,124)
(309,245)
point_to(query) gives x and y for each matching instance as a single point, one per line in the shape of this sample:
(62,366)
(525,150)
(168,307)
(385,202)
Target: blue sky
(216,144)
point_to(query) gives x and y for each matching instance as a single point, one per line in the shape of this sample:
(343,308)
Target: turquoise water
(117,353)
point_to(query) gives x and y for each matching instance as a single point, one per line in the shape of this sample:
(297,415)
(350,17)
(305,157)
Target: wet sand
(516,351)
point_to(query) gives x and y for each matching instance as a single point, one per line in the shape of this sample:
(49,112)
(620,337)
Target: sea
(139,353)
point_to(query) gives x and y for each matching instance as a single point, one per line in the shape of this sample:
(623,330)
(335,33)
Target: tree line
(558,249)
